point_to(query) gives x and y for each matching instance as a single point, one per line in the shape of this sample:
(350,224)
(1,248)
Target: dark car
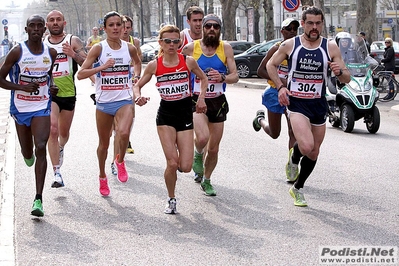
(248,62)
(377,50)
(149,51)
(240,46)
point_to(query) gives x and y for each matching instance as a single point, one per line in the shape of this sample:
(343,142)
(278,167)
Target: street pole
(331,18)
(142,22)
(177,13)
(396,24)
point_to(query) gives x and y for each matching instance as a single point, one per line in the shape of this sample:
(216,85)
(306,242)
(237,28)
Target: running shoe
(197,178)
(93,97)
(291,169)
(298,196)
(121,170)
(208,188)
(198,165)
(61,158)
(104,189)
(171,206)
(58,182)
(255,123)
(113,169)
(388,97)
(129,148)
(37,208)
(31,161)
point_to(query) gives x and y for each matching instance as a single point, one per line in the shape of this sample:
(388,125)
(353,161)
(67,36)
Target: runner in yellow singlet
(93,39)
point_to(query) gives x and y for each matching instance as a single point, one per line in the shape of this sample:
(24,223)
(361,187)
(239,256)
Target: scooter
(356,99)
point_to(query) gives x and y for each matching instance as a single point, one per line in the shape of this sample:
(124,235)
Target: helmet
(343,35)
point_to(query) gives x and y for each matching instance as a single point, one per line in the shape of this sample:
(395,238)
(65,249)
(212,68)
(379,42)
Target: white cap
(288,21)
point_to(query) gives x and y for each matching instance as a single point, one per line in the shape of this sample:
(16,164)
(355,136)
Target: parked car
(240,46)
(149,51)
(248,62)
(377,50)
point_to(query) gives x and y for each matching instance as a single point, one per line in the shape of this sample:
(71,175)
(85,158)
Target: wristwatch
(223,76)
(340,73)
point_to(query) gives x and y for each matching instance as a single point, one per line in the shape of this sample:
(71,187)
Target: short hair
(35,16)
(362,33)
(312,10)
(127,18)
(194,10)
(56,11)
(111,14)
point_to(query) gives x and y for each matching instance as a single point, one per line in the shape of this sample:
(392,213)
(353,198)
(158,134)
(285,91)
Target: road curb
(251,85)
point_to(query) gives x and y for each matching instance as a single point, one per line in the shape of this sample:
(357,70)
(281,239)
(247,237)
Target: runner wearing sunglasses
(214,57)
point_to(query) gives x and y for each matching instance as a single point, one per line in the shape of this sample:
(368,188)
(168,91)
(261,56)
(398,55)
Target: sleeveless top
(217,61)
(186,39)
(173,83)
(31,68)
(282,71)
(95,40)
(64,69)
(113,84)
(308,70)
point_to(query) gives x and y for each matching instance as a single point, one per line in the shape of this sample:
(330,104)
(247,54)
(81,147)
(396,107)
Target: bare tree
(269,15)
(211,8)
(320,4)
(366,17)
(229,8)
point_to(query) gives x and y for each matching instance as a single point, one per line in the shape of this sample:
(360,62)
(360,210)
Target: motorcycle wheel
(347,118)
(374,124)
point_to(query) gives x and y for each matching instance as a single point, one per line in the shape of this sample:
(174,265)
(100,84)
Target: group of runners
(192,69)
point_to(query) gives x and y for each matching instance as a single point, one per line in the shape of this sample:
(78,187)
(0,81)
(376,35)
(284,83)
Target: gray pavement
(231,221)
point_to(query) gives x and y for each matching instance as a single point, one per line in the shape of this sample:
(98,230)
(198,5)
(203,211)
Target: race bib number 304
(306,85)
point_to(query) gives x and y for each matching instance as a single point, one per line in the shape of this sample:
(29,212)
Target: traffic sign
(4,21)
(291,5)
(390,20)
(294,15)
(101,21)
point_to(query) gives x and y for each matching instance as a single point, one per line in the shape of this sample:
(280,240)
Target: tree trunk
(211,8)
(307,3)
(229,8)
(320,4)
(269,14)
(256,25)
(366,18)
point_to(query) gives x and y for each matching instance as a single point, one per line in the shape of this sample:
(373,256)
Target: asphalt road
(352,197)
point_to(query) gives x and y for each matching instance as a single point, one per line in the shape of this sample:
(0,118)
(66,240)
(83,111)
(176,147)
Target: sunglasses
(291,28)
(169,41)
(208,26)
(387,42)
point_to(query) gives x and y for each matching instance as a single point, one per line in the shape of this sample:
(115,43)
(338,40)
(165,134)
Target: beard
(212,41)
(308,35)
(57,31)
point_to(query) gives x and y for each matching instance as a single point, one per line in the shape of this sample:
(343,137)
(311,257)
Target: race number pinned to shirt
(306,85)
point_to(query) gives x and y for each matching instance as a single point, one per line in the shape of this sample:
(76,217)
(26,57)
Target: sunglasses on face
(208,26)
(168,41)
(291,28)
(388,42)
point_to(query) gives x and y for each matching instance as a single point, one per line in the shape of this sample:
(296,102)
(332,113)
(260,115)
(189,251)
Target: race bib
(61,66)
(306,85)
(214,89)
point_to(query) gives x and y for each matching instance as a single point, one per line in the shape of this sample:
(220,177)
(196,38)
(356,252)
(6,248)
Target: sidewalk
(4,123)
